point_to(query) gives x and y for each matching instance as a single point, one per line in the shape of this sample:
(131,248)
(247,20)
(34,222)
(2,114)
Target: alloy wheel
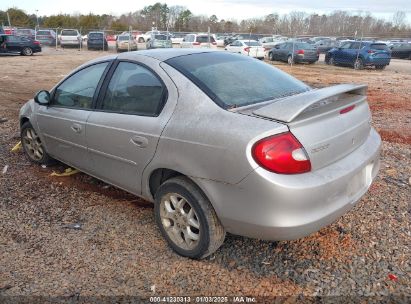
(180,221)
(27,51)
(32,144)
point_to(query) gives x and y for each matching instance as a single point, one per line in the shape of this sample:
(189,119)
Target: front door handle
(76,128)
(139,141)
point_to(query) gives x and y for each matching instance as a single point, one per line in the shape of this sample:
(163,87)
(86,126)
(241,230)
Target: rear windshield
(160,37)
(69,33)
(43,33)
(204,39)
(234,80)
(380,46)
(252,43)
(303,46)
(123,38)
(95,35)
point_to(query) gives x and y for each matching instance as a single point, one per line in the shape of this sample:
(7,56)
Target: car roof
(164,54)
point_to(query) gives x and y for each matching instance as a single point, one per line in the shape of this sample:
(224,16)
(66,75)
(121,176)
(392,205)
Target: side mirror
(277,47)
(184,39)
(42,97)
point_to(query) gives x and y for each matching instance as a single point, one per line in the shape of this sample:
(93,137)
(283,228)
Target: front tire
(33,146)
(27,51)
(187,219)
(141,40)
(271,55)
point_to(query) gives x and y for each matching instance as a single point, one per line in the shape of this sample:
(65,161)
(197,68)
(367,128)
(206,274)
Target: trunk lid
(330,123)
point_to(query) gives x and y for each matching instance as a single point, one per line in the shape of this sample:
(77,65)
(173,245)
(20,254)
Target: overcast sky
(224,9)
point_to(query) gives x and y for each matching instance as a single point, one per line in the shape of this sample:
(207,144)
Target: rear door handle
(139,141)
(76,128)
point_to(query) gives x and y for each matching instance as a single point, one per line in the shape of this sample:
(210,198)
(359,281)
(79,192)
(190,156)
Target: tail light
(196,43)
(282,154)
(370,52)
(36,42)
(266,49)
(347,109)
(247,49)
(300,52)
(214,43)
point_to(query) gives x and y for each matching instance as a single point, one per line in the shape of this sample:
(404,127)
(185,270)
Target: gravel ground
(77,237)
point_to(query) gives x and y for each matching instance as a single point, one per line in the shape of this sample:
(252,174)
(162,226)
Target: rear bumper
(270,206)
(377,61)
(302,58)
(69,42)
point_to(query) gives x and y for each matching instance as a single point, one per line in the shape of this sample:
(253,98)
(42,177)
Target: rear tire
(27,51)
(141,40)
(358,64)
(33,146)
(187,219)
(290,60)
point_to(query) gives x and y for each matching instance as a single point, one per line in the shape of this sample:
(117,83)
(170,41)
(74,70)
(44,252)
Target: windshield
(234,80)
(69,33)
(204,39)
(160,37)
(303,46)
(381,47)
(252,43)
(123,38)
(43,33)
(95,35)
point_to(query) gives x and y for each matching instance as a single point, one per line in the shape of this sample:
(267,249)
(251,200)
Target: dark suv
(360,54)
(97,41)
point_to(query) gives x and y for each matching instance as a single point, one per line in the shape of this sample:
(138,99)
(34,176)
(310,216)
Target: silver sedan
(219,142)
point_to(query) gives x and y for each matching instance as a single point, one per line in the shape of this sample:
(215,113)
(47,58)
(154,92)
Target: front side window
(134,89)
(78,90)
(234,81)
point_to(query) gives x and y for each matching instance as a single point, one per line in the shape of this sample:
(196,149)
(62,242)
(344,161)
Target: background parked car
(360,54)
(250,48)
(269,42)
(323,46)
(97,41)
(19,45)
(159,41)
(141,38)
(70,37)
(294,52)
(177,38)
(125,43)
(26,33)
(46,37)
(401,50)
(198,41)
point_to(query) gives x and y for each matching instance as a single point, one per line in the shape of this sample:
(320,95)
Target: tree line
(181,19)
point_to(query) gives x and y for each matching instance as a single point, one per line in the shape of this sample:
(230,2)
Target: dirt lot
(117,250)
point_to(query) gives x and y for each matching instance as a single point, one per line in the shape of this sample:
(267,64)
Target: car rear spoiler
(289,108)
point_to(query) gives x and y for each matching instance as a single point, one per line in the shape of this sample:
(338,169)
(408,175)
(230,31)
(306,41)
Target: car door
(285,50)
(342,53)
(62,123)
(275,50)
(13,44)
(123,133)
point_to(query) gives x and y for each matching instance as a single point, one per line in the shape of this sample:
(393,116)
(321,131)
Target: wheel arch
(23,120)
(160,175)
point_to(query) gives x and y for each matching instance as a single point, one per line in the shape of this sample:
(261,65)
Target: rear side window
(381,47)
(78,90)
(235,80)
(204,39)
(134,89)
